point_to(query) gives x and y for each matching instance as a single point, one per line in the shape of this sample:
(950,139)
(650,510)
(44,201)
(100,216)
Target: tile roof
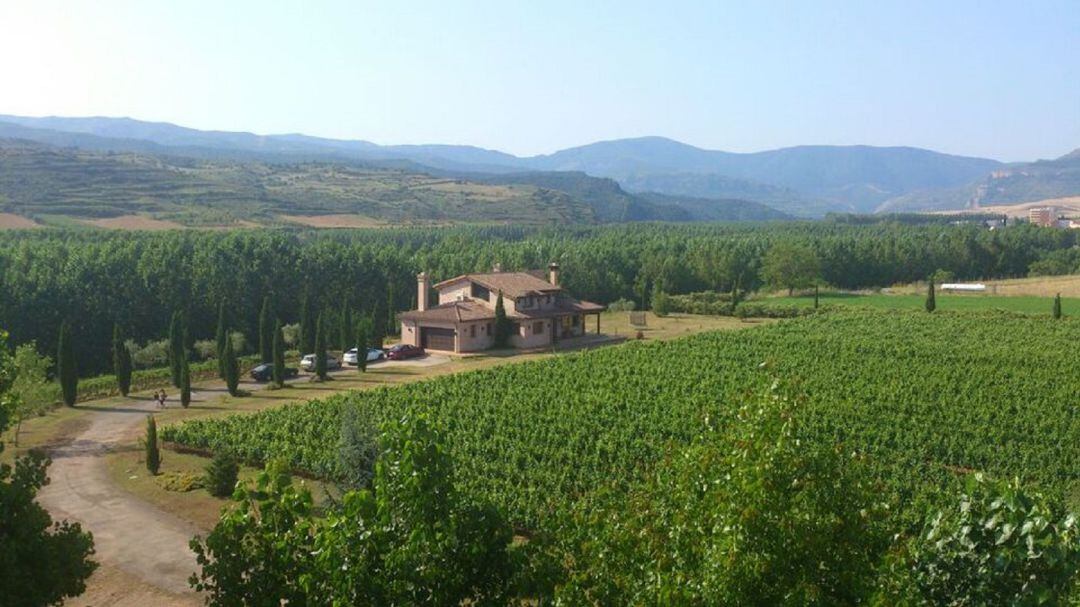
(454,311)
(512,284)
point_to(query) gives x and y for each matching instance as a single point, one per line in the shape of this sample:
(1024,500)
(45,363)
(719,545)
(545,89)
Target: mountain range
(622,180)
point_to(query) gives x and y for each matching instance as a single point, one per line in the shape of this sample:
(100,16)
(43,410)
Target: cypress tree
(232,369)
(153,453)
(931,302)
(121,361)
(279,356)
(361,345)
(176,346)
(266,332)
(65,365)
(320,349)
(220,337)
(1057,306)
(502,323)
(185,383)
(815,297)
(307,325)
(346,335)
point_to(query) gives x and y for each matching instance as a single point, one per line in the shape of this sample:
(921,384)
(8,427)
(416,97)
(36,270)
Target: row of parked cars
(265,371)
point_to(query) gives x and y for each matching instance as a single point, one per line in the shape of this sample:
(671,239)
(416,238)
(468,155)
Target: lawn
(945,301)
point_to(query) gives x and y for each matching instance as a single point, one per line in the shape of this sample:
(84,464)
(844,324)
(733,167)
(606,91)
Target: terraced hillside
(38,180)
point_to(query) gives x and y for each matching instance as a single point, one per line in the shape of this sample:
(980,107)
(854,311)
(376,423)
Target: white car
(308,362)
(373,354)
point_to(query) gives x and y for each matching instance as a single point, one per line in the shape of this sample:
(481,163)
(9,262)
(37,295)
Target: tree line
(95,280)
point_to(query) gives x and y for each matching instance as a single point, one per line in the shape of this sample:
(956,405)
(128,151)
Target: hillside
(805,180)
(38,180)
(1008,185)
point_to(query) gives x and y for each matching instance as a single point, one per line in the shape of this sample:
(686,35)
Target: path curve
(133,535)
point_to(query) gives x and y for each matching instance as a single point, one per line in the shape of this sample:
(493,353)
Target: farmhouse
(540,311)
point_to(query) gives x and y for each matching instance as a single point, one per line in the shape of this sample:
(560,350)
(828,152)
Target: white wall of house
(455,291)
(409,333)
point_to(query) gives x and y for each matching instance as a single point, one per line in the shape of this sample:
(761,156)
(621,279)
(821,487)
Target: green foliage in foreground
(747,516)
(921,395)
(999,544)
(41,563)
(410,540)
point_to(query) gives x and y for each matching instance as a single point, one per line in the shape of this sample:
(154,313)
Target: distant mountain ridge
(805,181)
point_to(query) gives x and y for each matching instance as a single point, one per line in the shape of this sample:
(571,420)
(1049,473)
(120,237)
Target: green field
(945,302)
(924,396)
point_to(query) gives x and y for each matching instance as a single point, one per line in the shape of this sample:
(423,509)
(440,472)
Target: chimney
(553,273)
(423,287)
(497,267)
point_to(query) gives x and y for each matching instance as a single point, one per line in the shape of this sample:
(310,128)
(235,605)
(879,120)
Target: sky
(993,79)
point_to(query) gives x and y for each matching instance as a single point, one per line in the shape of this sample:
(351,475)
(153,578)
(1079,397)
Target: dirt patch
(1069,206)
(333,221)
(112,586)
(1043,286)
(11,221)
(133,222)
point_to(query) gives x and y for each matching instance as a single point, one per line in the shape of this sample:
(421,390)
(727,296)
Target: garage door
(437,339)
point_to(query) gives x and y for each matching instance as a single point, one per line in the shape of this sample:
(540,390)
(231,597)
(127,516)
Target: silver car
(373,354)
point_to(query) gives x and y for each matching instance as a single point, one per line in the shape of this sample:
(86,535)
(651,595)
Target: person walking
(161,399)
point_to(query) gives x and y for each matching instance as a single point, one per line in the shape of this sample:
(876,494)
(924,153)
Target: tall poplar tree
(176,346)
(232,369)
(220,337)
(320,348)
(279,356)
(121,361)
(185,382)
(65,365)
(266,332)
(307,324)
(502,324)
(346,337)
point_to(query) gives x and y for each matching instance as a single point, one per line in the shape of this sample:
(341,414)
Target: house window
(480,292)
(577,320)
(516,329)
(472,330)
(490,328)
(538,327)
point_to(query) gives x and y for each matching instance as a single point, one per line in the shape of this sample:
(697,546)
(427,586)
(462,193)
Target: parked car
(265,372)
(403,351)
(373,354)
(307,363)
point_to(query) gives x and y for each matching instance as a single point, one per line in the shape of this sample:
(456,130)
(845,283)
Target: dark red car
(403,351)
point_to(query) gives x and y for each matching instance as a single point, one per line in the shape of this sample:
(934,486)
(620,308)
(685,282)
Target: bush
(291,334)
(205,349)
(622,305)
(152,354)
(221,473)
(998,545)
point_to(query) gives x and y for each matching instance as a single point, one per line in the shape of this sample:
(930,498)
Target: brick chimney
(423,287)
(553,273)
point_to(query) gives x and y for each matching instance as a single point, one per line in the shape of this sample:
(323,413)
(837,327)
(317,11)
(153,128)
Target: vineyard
(923,396)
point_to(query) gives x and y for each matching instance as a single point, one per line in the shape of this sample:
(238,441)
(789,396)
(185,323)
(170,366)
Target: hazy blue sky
(998,79)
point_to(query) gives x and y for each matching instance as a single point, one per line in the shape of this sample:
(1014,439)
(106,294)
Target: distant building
(964,287)
(1043,216)
(540,311)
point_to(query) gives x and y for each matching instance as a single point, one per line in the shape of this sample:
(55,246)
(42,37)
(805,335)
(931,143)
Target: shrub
(206,349)
(291,334)
(622,305)
(997,545)
(152,354)
(221,473)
